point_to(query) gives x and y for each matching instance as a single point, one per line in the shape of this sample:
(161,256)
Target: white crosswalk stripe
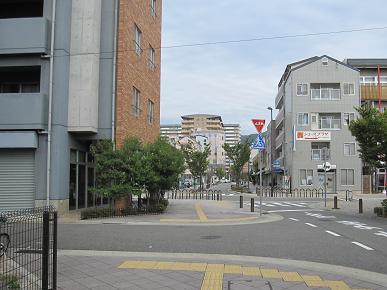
(277,204)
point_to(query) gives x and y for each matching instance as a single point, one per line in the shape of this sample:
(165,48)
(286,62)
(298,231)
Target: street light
(271,150)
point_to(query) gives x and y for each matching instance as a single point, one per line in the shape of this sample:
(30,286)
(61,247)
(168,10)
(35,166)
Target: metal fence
(194,194)
(295,192)
(28,249)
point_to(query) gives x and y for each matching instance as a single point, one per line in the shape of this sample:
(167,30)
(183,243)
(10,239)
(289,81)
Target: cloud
(239,81)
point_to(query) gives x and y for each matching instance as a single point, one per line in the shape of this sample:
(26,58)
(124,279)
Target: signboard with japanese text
(259,124)
(313,136)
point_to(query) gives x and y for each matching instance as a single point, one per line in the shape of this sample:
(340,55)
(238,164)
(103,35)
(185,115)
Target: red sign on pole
(259,124)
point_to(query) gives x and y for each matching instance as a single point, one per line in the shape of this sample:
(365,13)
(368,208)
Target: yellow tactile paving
(232,269)
(215,268)
(270,273)
(313,281)
(251,271)
(213,278)
(212,281)
(199,211)
(291,277)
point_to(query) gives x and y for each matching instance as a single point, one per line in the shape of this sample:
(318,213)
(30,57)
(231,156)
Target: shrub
(10,282)
(384,203)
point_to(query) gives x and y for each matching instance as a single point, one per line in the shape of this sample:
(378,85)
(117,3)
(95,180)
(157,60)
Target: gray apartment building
(59,70)
(316,101)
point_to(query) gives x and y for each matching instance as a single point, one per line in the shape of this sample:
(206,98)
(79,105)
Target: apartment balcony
(280,117)
(279,140)
(24,35)
(325,94)
(279,98)
(369,92)
(24,111)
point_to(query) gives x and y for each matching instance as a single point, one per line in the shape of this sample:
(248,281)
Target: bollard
(360,205)
(346,195)
(252,205)
(335,203)
(241,201)
(217,196)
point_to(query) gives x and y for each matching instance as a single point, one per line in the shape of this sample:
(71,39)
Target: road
(304,234)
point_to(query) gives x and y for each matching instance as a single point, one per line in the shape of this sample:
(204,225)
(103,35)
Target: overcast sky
(239,81)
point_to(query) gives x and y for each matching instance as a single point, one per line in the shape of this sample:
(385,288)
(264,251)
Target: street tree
(239,154)
(197,161)
(220,173)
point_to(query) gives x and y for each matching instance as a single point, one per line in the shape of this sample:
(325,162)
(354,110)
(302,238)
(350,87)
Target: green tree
(239,154)
(220,173)
(197,161)
(370,131)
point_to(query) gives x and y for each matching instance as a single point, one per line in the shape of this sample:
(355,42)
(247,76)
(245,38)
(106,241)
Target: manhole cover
(210,237)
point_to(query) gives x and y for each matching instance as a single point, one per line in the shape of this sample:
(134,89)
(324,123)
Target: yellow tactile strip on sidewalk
(213,273)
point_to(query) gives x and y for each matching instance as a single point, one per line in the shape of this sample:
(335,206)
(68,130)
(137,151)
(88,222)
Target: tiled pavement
(84,271)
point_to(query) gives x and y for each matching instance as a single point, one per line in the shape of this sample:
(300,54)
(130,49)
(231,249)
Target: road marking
(333,234)
(199,210)
(280,204)
(294,204)
(290,210)
(380,233)
(293,219)
(363,246)
(358,225)
(311,225)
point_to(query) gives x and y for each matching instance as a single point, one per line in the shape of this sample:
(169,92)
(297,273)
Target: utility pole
(271,151)
(325,153)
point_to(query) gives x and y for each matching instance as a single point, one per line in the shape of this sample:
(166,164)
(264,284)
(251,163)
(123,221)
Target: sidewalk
(78,270)
(188,212)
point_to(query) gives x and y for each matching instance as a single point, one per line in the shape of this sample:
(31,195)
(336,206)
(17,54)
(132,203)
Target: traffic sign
(259,143)
(259,124)
(276,164)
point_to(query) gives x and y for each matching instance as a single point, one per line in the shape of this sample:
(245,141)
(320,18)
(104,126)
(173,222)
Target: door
(17,179)
(331,181)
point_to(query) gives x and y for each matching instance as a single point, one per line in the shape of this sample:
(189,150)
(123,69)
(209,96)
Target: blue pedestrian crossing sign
(259,143)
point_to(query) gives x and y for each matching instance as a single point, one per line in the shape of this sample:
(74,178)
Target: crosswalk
(280,204)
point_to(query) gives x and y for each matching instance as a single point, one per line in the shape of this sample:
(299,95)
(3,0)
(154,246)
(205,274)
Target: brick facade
(133,70)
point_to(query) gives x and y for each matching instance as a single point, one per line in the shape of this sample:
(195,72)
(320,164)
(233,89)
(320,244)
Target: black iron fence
(207,194)
(28,249)
(295,192)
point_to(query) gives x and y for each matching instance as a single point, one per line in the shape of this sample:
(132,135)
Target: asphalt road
(303,234)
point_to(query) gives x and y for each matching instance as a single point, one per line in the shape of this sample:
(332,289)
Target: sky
(239,81)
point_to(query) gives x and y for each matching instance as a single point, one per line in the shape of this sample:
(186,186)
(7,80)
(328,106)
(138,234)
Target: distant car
(187,183)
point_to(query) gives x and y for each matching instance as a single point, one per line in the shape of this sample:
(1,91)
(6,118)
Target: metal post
(335,203)
(45,249)
(241,201)
(260,183)
(325,175)
(252,205)
(54,250)
(360,205)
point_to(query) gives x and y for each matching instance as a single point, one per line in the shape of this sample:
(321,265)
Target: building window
(349,89)
(151,58)
(151,109)
(306,177)
(17,80)
(324,61)
(137,39)
(349,149)
(136,102)
(347,177)
(302,89)
(330,121)
(303,119)
(317,150)
(153,8)
(348,118)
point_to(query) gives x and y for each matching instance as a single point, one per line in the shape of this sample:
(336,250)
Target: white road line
(333,234)
(290,210)
(311,225)
(293,219)
(363,246)
(280,204)
(294,204)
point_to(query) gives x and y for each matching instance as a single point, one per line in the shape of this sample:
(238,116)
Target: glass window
(151,58)
(73,156)
(369,80)
(347,176)
(383,80)
(302,89)
(137,39)
(10,88)
(81,185)
(136,102)
(30,88)
(348,118)
(73,186)
(153,7)
(306,177)
(151,109)
(349,88)
(303,119)
(81,157)
(349,149)
(90,185)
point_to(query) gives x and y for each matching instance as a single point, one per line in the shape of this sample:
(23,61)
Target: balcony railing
(325,94)
(329,123)
(370,92)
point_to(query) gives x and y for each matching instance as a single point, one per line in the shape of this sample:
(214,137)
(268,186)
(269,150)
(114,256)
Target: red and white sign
(313,135)
(259,124)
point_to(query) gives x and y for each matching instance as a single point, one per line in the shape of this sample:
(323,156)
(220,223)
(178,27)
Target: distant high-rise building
(232,134)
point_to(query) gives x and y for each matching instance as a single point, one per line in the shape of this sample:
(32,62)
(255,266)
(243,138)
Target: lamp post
(271,151)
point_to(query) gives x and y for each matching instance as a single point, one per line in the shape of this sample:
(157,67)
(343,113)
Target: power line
(67,53)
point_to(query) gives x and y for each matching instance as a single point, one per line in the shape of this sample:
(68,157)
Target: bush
(240,189)
(384,203)
(103,212)
(10,282)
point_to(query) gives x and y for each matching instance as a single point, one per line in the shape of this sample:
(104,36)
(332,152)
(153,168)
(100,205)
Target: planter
(121,202)
(379,211)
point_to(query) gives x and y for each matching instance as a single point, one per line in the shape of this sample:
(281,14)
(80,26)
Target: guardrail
(295,192)
(207,194)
